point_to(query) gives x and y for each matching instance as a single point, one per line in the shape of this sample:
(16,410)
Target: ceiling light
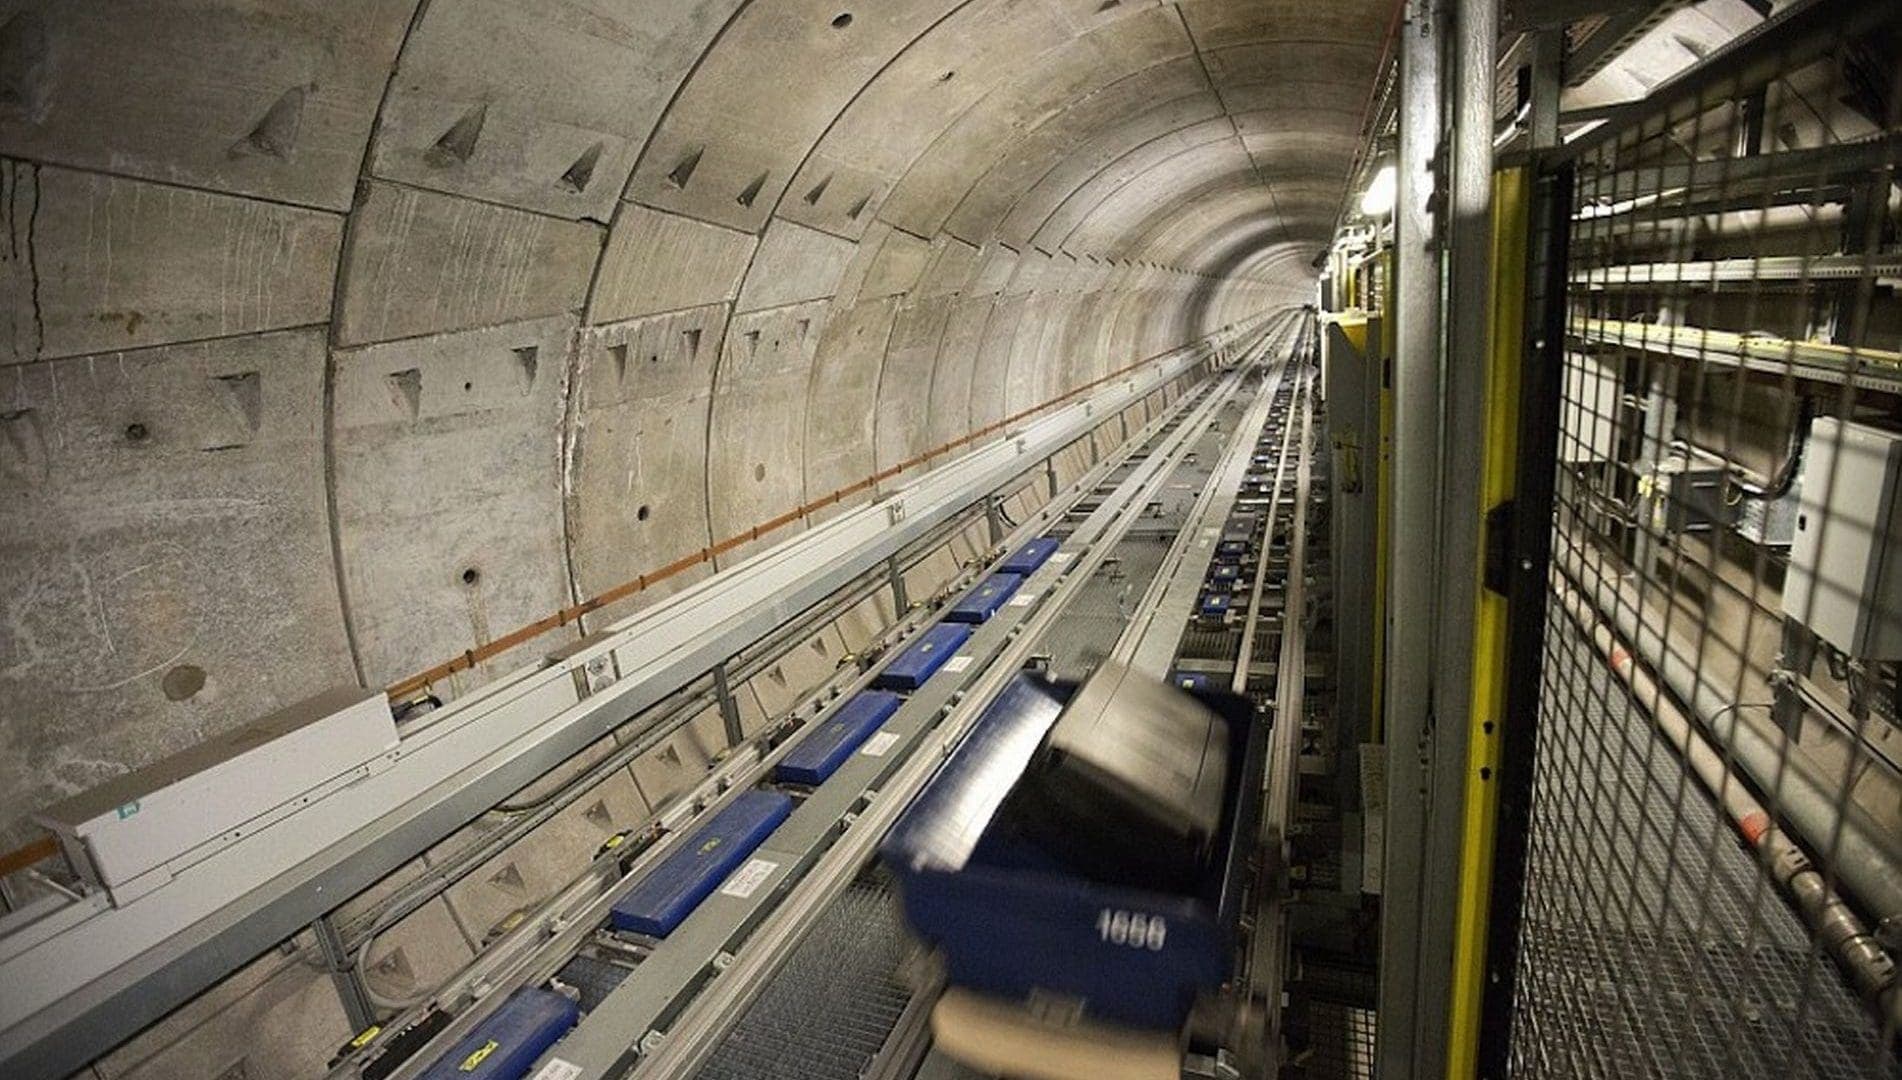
(1379,196)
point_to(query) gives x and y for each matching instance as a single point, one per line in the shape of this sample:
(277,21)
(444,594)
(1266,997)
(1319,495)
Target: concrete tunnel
(341,337)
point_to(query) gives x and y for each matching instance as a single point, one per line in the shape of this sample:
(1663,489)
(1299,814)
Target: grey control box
(1845,577)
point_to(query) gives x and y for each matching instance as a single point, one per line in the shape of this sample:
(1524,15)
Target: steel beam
(1620,30)
(1406,1019)
(1448,1036)
(1760,177)
(1546,59)
(1802,32)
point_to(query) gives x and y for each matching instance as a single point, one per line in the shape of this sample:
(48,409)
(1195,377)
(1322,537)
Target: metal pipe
(1838,929)
(1865,859)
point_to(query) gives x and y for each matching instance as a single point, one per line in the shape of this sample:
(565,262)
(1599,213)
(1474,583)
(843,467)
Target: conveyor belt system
(783,956)
(1090,544)
(815,1017)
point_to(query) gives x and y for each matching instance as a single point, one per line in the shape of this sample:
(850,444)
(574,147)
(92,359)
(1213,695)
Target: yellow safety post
(1383,498)
(1498,481)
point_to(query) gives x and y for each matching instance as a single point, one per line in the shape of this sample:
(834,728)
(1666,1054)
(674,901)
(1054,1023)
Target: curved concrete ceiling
(341,334)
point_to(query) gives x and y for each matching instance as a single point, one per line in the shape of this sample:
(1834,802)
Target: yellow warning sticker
(470,1063)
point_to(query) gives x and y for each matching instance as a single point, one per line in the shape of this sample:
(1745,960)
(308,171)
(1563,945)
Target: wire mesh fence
(1713,868)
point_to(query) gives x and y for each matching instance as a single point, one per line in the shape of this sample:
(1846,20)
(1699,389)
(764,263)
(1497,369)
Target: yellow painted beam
(1383,497)
(1498,481)
(1356,331)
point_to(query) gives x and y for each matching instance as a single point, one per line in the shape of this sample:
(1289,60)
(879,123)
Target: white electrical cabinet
(1591,411)
(123,833)
(1845,577)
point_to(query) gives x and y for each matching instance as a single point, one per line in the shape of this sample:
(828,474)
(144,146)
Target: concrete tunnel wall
(339,335)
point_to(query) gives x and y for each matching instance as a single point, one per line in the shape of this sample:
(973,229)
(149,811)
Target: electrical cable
(1792,467)
(360,965)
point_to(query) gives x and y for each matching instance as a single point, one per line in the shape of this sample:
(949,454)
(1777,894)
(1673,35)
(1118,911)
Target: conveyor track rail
(564,927)
(697,1031)
(1283,409)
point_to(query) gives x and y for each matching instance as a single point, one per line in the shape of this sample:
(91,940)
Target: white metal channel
(1268,964)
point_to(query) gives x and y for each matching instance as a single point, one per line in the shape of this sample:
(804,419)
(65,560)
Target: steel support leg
(1548,52)
(342,967)
(897,574)
(729,709)
(1415,958)
(1452,943)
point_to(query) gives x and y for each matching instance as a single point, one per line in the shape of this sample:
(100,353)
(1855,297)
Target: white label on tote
(748,878)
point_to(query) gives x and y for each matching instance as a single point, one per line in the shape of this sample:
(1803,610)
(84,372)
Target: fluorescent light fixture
(1379,196)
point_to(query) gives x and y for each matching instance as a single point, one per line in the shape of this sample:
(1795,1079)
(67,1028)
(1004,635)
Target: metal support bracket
(897,575)
(357,1006)
(1498,548)
(729,709)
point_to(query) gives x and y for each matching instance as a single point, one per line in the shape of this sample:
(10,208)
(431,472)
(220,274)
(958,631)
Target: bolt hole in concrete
(136,432)
(471,576)
(842,20)
(468,386)
(183,682)
(641,514)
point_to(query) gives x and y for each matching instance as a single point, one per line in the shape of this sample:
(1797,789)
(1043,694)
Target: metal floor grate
(1342,1046)
(1102,607)
(1651,945)
(829,1010)
(594,978)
